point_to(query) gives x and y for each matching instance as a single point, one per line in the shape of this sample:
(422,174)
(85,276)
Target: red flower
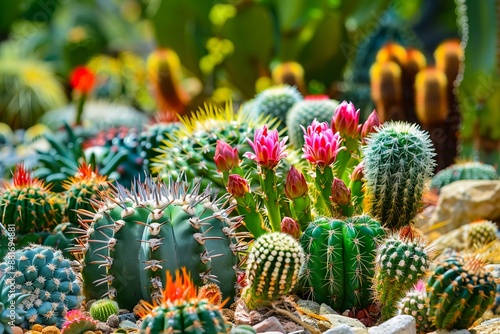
(237,186)
(226,157)
(267,147)
(370,125)
(346,120)
(321,144)
(82,80)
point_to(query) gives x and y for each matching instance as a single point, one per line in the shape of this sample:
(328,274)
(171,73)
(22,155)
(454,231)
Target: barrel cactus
(102,309)
(459,293)
(480,233)
(273,269)
(47,277)
(463,171)
(139,234)
(339,256)
(181,310)
(303,113)
(398,161)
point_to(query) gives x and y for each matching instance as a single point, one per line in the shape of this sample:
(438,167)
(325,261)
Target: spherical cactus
(102,309)
(398,161)
(151,139)
(400,262)
(463,171)
(51,283)
(416,304)
(431,96)
(139,234)
(275,102)
(339,256)
(272,269)
(459,293)
(480,233)
(181,310)
(28,204)
(386,91)
(303,113)
(75,322)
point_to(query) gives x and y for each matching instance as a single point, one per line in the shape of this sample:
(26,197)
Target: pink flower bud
(321,144)
(341,195)
(295,184)
(268,150)
(370,125)
(237,186)
(226,157)
(290,226)
(346,120)
(358,172)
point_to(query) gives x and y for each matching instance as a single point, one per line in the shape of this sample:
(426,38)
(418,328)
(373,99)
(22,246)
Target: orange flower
(82,80)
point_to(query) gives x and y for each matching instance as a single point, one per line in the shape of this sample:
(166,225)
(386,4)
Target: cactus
(398,161)
(290,73)
(151,138)
(275,102)
(28,204)
(102,309)
(480,233)
(181,310)
(400,263)
(139,234)
(76,322)
(339,261)
(386,92)
(463,171)
(416,304)
(44,274)
(272,270)
(9,305)
(459,293)
(303,113)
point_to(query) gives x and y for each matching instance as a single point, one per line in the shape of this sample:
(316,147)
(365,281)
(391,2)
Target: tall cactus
(139,234)
(398,161)
(339,261)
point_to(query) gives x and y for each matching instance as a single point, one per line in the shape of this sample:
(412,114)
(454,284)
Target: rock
(341,329)
(113,321)
(400,324)
(127,316)
(128,325)
(454,331)
(242,316)
(271,324)
(105,329)
(491,326)
(325,309)
(17,330)
(462,202)
(337,320)
(309,305)
(123,311)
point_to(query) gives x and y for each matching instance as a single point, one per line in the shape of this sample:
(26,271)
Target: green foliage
(339,261)
(398,162)
(459,293)
(273,269)
(463,171)
(275,102)
(303,113)
(102,309)
(139,234)
(47,277)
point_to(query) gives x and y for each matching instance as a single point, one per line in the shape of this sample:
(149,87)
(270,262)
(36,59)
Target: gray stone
(337,320)
(454,331)
(491,326)
(341,329)
(127,316)
(271,324)
(325,309)
(113,321)
(105,329)
(309,305)
(400,324)
(128,325)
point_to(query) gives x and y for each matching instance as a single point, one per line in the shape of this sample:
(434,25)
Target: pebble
(271,324)
(127,316)
(341,329)
(310,306)
(128,325)
(105,329)
(337,320)
(325,309)
(17,330)
(113,321)
(400,324)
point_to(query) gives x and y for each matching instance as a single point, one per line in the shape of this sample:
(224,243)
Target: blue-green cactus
(463,171)
(275,102)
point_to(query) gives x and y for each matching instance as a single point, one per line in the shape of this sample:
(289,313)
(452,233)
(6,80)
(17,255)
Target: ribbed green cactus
(9,313)
(139,234)
(102,309)
(400,262)
(181,310)
(398,161)
(463,171)
(275,102)
(28,204)
(151,138)
(273,269)
(459,293)
(480,233)
(416,304)
(303,113)
(339,261)
(44,274)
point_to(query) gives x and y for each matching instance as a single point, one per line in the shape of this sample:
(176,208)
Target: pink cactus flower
(346,120)
(341,195)
(295,184)
(290,226)
(370,125)
(237,186)
(358,172)
(268,150)
(321,144)
(226,157)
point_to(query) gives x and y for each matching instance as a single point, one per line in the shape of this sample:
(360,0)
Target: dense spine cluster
(275,102)
(463,171)
(480,233)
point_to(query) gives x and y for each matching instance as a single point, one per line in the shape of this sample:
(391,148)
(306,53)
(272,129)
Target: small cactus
(480,234)
(181,310)
(102,309)
(76,323)
(463,171)
(398,161)
(275,102)
(416,304)
(272,269)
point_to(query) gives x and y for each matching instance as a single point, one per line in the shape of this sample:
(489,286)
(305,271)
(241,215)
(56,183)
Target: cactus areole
(137,235)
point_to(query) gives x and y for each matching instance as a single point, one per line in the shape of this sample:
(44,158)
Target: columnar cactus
(181,310)
(102,309)
(275,102)
(273,269)
(400,262)
(398,161)
(480,234)
(139,234)
(431,96)
(339,256)
(51,283)
(463,171)
(416,304)
(459,293)
(386,92)
(303,113)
